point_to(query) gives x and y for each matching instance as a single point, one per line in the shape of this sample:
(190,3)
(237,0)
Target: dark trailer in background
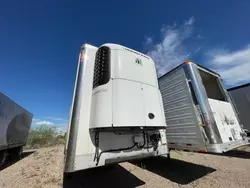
(241,98)
(15,124)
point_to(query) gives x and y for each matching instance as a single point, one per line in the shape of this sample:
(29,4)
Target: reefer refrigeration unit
(117,112)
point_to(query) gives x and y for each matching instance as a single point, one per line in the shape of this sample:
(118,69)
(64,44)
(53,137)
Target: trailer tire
(15,153)
(3,158)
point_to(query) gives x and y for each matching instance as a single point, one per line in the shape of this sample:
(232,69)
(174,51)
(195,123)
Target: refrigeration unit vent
(102,67)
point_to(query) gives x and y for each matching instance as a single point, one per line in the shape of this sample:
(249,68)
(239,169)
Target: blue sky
(40,41)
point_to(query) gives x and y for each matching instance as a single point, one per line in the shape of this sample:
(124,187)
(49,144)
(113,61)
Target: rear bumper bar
(224,147)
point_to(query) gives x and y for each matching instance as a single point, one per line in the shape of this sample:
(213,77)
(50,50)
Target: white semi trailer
(117,111)
(199,112)
(15,124)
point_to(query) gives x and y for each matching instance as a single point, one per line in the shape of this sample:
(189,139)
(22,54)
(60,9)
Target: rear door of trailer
(221,106)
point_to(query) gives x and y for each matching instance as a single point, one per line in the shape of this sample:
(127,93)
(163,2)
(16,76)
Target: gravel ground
(43,168)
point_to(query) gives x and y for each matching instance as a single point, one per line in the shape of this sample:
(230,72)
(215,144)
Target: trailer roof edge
(240,86)
(186,62)
(17,103)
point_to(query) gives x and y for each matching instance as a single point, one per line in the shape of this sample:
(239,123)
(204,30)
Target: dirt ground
(43,168)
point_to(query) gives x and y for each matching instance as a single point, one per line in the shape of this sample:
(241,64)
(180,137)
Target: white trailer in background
(15,124)
(198,110)
(117,112)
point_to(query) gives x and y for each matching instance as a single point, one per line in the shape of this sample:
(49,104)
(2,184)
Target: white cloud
(149,40)
(56,118)
(174,48)
(44,123)
(171,50)
(233,66)
(199,36)
(198,49)
(35,119)
(190,21)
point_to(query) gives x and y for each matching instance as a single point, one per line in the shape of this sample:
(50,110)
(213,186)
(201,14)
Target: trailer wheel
(15,153)
(3,158)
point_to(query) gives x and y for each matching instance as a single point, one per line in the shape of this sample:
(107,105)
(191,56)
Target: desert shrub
(44,136)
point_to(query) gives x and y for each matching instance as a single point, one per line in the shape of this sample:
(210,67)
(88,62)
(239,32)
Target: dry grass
(44,136)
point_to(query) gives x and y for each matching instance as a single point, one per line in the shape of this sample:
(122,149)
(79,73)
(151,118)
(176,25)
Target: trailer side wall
(15,123)
(182,124)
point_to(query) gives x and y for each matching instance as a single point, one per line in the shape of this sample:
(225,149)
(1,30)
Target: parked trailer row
(118,112)
(121,111)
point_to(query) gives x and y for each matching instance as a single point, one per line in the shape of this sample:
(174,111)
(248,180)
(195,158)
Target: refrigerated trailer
(199,112)
(117,111)
(15,124)
(241,98)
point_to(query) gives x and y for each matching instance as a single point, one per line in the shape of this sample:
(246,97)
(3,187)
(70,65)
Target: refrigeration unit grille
(102,67)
